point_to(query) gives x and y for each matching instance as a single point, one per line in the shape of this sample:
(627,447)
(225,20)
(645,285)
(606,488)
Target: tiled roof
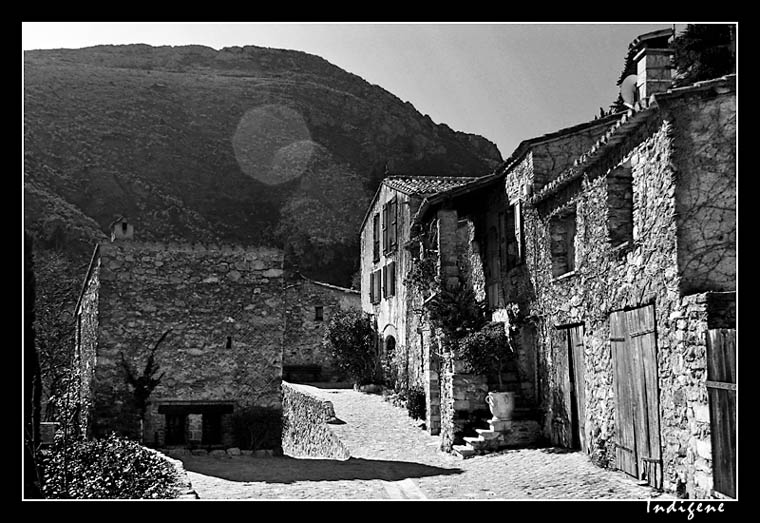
(421,185)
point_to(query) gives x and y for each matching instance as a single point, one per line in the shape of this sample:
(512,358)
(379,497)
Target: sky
(505,82)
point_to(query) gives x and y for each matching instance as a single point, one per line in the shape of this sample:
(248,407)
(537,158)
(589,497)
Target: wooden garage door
(634,352)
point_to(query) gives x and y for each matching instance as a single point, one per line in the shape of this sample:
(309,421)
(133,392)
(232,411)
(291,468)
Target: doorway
(634,355)
(571,368)
(175,429)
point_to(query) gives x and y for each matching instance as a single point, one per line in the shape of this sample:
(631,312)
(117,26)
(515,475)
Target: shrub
(110,468)
(487,349)
(415,402)
(390,371)
(257,428)
(350,340)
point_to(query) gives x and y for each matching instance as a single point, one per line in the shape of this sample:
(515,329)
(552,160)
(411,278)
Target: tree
(143,384)
(487,349)
(350,340)
(703,52)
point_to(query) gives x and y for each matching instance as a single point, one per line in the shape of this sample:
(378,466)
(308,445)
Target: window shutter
(394,219)
(392,278)
(376,237)
(372,287)
(385,227)
(385,286)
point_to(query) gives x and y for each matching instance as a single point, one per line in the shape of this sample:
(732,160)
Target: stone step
(480,443)
(487,434)
(464,451)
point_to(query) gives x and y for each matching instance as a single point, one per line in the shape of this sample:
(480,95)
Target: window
(389,280)
(620,205)
(385,228)
(319,313)
(376,237)
(390,230)
(374,287)
(229,343)
(514,251)
(562,239)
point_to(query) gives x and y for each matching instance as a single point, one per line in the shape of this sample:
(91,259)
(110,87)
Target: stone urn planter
(502,404)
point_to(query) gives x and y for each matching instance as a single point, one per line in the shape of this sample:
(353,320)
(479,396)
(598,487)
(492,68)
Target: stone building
(384,262)
(610,249)
(223,354)
(309,306)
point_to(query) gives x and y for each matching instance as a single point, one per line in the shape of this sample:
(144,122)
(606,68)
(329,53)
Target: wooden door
(624,399)
(642,332)
(634,352)
(570,398)
(578,373)
(721,390)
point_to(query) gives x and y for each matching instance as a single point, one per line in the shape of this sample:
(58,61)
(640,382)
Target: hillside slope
(249,145)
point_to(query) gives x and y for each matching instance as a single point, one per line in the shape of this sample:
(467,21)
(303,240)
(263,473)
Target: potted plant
(486,350)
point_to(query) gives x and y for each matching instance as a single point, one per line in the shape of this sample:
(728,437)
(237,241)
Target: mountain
(246,144)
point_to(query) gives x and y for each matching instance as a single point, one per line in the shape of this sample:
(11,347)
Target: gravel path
(392,458)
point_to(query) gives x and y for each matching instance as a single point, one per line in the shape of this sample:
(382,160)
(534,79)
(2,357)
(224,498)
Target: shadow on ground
(288,469)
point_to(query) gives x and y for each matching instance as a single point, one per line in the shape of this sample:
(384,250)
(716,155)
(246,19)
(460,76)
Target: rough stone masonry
(224,307)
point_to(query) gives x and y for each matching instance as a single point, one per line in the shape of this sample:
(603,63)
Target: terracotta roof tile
(424,185)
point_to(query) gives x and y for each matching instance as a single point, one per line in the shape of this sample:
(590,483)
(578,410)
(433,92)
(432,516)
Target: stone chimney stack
(653,59)
(122,230)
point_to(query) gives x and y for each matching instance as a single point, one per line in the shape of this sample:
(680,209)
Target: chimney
(653,59)
(122,230)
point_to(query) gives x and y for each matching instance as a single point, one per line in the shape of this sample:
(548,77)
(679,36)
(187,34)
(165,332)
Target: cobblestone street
(392,458)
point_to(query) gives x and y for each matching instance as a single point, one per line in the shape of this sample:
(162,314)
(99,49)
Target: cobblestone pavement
(392,458)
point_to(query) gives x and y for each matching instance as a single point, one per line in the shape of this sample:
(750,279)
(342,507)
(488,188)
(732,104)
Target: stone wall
(704,149)
(306,419)
(304,330)
(608,279)
(553,156)
(224,306)
(86,341)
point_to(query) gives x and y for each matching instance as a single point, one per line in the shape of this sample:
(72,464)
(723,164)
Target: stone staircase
(523,430)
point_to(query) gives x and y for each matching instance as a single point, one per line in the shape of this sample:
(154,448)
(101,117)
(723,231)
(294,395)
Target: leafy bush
(257,428)
(390,371)
(457,313)
(415,402)
(350,340)
(486,350)
(110,468)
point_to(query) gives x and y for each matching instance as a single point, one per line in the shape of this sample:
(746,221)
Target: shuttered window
(390,279)
(392,228)
(376,237)
(374,287)
(385,228)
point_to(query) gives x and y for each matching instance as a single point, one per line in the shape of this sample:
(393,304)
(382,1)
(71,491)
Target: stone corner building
(615,243)
(224,306)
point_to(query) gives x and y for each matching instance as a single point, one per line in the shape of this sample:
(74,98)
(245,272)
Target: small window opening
(319,313)
(229,343)
(562,231)
(124,227)
(620,206)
